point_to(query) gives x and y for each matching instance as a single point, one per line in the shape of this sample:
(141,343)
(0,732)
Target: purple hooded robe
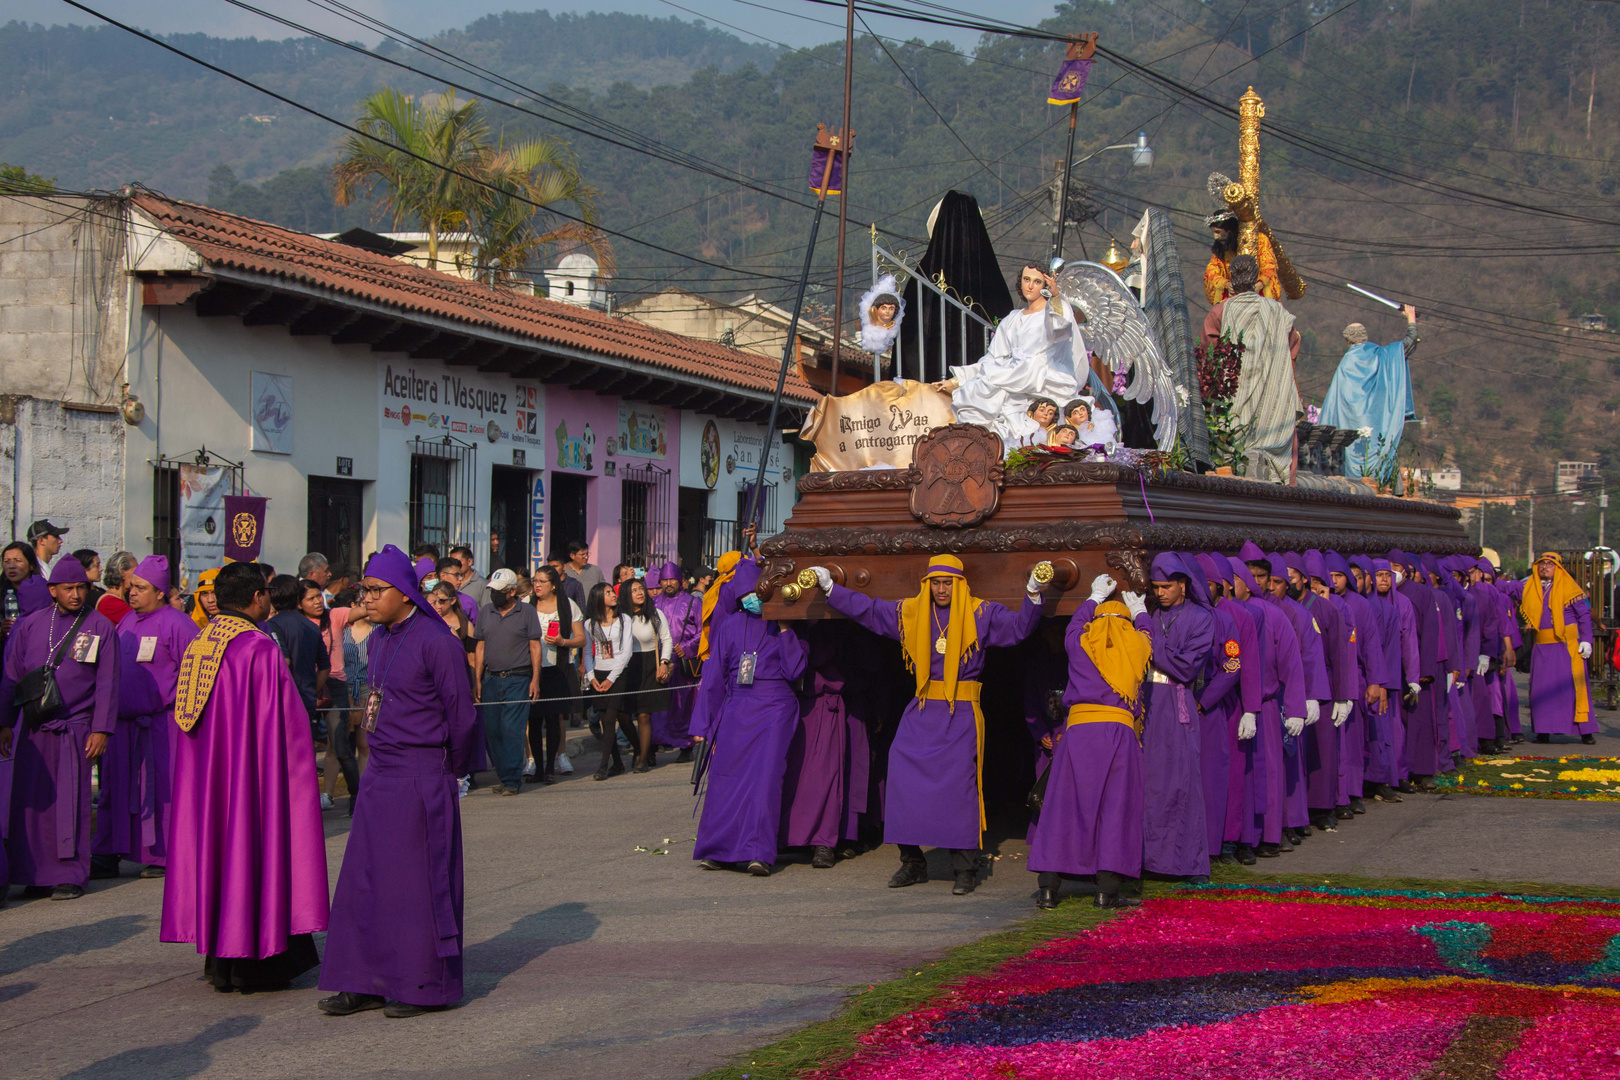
(1175,836)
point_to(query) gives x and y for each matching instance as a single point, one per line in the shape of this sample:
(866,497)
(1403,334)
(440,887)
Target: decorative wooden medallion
(955,476)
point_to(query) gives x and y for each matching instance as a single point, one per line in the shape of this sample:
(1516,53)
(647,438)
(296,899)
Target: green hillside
(1460,154)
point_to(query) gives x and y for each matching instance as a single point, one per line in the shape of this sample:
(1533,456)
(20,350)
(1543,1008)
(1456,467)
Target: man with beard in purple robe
(683,614)
(1174,834)
(132,807)
(48,843)
(246,875)
(395,942)
(1315,752)
(1231,699)
(934,793)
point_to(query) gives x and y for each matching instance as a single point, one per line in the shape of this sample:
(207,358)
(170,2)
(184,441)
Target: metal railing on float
(942,331)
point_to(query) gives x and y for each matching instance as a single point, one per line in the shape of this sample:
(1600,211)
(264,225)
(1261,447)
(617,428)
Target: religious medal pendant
(939,644)
(745,669)
(373,707)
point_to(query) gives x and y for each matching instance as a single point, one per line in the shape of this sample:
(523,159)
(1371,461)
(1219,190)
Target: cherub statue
(882,312)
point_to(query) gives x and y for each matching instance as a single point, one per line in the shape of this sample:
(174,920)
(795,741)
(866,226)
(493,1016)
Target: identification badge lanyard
(747,662)
(374,699)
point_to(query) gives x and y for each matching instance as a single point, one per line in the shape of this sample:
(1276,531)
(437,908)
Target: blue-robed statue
(1372,389)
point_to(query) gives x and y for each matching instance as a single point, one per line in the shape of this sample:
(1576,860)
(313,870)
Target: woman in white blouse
(609,644)
(562,629)
(649,667)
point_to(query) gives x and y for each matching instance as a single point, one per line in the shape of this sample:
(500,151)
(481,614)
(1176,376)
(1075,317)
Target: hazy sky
(791,22)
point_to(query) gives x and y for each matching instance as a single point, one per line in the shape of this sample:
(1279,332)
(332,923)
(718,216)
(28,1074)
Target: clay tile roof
(240,243)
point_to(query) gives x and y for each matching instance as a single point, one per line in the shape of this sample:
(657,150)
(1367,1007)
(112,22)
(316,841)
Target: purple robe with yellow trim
(247,852)
(1552,674)
(48,842)
(932,795)
(1091,817)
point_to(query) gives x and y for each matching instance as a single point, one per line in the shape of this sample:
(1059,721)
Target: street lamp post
(1141,158)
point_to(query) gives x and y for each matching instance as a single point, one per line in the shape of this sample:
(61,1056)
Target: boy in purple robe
(683,614)
(1314,753)
(245,880)
(747,711)
(1090,821)
(132,807)
(1557,608)
(1231,699)
(1282,678)
(48,840)
(395,942)
(1426,721)
(813,793)
(1174,834)
(934,790)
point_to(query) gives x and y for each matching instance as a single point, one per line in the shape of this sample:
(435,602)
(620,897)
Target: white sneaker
(462,787)
(564,766)
(528,769)
(326,801)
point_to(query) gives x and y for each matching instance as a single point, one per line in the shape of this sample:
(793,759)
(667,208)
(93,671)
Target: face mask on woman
(751,604)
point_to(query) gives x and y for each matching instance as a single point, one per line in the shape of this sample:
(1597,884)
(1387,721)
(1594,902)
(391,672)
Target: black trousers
(545,739)
(961,858)
(1108,882)
(270,973)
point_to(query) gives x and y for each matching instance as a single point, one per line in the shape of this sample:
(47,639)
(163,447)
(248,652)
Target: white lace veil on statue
(876,337)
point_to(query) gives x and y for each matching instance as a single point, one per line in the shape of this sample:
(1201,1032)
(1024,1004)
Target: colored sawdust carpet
(1595,779)
(1274,982)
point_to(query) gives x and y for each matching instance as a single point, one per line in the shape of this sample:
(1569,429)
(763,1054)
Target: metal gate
(442,511)
(647,535)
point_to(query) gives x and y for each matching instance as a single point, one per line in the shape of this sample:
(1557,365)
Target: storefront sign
(537,520)
(641,431)
(577,452)
(492,408)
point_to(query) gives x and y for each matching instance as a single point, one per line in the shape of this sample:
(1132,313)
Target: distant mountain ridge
(95,108)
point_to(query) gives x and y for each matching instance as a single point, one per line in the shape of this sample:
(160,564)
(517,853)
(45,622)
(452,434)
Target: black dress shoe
(910,873)
(966,882)
(1117,900)
(36,892)
(1515,740)
(684,757)
(1426,783)
(1285,844)
(1302,832)
(399,1010)
(600,774)
(1406,787)
(822,858)
(759,869)
(347,1004)
(641,767)
(1343,813)
(710,864)
(1356,806)
(67,892)
(1046,899)
(103,867)
(1543,738)
(1228,857)
(151,871)
(617,770)
(1245,854)
(1269,851)
(1589,740)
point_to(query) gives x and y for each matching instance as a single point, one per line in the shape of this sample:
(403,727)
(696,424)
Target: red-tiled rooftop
(228,240)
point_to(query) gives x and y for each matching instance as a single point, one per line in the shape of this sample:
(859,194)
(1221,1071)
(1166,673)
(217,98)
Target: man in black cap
(47,541)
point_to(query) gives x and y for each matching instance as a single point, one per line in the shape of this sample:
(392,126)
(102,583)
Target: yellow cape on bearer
(199,667)
(1564,592)
(919,629)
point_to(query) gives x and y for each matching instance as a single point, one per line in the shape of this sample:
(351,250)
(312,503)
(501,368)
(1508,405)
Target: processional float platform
(875,530)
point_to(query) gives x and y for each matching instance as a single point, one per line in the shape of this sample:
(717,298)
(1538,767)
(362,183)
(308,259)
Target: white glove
(1483,666)
(1586,650)
(1102,587)
(823,578)
(1451,679)
(1414,689)
(1294,725)
(1246,726)
(1033,587)
(1313,711)
(1341,713)
(1137,603)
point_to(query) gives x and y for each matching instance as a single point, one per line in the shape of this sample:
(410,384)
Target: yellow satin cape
(919,629)
(1120,651)
(727,569)
(1564,592)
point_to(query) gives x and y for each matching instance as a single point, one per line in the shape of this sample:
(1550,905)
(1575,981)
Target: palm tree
(503,220)
(421,152)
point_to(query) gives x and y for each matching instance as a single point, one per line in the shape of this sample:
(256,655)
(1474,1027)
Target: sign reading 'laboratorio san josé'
(430,399)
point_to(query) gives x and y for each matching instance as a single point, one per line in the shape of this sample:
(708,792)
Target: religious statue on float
(1237,225)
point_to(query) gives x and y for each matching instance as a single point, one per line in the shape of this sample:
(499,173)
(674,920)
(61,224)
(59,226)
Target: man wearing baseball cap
(506,666)
(47,540)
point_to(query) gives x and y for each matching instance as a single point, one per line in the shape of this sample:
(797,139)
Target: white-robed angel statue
(1031,356)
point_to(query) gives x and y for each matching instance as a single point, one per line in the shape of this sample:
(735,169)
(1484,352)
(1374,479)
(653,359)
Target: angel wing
(1117,330)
